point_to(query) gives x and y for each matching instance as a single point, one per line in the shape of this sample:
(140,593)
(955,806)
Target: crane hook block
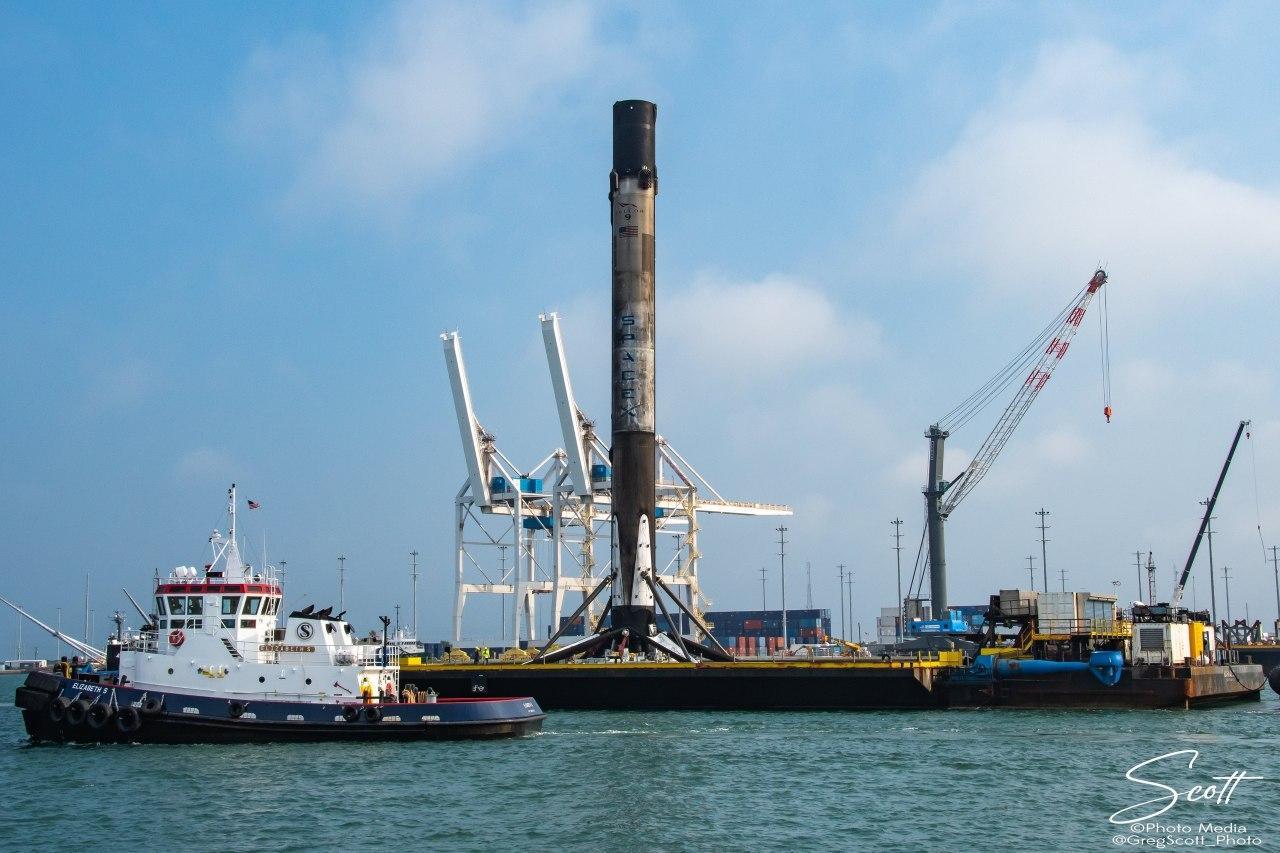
(1106,410)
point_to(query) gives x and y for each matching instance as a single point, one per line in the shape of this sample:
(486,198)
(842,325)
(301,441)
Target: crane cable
(1257,498)
(964,411)
(1104,343)
(921,567)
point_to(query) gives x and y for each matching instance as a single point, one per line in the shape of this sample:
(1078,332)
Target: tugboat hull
(61,710)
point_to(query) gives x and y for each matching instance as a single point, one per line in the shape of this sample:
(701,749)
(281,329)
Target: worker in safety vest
(484,653)
(366,691)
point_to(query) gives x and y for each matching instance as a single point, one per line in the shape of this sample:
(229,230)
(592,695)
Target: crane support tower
(1042,355)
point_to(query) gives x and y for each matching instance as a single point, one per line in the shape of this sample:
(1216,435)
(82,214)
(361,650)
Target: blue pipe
(1107,667)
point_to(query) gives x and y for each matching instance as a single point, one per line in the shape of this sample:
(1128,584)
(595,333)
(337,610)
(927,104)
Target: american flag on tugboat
(254,505)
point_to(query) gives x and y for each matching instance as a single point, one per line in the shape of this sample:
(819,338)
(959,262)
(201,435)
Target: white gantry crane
(542,524)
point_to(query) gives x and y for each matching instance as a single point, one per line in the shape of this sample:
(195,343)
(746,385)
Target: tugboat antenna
(231,509)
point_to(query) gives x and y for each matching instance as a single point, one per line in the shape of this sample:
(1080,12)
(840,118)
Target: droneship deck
(828,685)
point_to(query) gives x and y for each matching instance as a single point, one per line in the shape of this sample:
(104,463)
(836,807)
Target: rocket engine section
(633,189)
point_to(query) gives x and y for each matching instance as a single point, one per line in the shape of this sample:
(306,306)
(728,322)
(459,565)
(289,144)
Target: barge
(838,685)
(1056,650)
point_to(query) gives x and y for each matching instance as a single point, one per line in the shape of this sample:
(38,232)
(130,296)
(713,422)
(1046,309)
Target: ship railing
(1094,627)
(141,641)
(302,652)
(258,580)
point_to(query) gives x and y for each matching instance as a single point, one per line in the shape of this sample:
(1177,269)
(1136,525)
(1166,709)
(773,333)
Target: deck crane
(1042,356)
(1204,522)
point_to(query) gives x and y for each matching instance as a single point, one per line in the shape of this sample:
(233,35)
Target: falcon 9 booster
(633,189)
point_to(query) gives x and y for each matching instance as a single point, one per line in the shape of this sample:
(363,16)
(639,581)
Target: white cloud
(207,463)
(913,469)
(434,86)
(1061,447)
(1149,387)
(1063,170)
(122,384)
(743,330)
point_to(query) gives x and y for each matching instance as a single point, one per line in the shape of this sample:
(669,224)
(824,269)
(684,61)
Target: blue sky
(232,234)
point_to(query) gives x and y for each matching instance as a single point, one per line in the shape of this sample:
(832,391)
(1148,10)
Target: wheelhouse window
(228,623)
(195,605)
(160,605)
(177,605)
(248,623)
(230,605)
(252,604)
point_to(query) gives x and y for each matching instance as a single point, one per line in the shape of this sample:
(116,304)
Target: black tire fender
(152,706)
(58,709)
(77,711)
(128,719)
(373,714)
(99,715)
(31,700)
(350,713)
(236,709)
(44,681)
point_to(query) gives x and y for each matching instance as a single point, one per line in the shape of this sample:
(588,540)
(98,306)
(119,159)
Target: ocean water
(606,781)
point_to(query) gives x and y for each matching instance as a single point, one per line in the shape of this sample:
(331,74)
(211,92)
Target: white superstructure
(218,631)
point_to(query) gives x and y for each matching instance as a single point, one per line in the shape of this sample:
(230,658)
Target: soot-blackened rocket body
(633,188)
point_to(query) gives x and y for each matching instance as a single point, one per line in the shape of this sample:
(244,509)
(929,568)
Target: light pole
(897,547)
(1137,561)
(1275,567)
(1031,567)
(414,574)
(782,565)
(1226,580)
(808,585)
(849,583)
(1151,578)
(1213,585)
(1044,557)
(764,593)
(842,625)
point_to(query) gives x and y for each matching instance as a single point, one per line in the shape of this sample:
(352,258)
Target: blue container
(530,484)
(499,484)
(599,471)
(536,523)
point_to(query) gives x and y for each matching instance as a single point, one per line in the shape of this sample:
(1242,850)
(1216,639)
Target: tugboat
(214,665)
